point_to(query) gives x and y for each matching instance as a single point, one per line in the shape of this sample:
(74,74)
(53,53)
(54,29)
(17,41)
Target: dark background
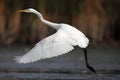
(98,19)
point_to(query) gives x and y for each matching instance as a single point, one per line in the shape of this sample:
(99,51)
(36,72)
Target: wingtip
(20,61)
(17,59)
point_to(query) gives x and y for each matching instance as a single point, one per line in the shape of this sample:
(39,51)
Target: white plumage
(63,41)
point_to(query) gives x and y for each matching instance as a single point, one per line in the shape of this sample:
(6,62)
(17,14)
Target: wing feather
(54,45)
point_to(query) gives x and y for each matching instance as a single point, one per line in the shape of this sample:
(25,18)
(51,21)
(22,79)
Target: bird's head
(29,10)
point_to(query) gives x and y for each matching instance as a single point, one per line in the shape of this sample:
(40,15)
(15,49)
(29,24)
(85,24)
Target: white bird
(61,42)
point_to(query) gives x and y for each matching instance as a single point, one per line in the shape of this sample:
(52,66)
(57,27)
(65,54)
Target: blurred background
(98,19)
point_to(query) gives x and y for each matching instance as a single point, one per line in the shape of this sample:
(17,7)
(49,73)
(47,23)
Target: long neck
(51,24)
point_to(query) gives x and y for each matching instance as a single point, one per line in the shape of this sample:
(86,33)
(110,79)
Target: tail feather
(83,43)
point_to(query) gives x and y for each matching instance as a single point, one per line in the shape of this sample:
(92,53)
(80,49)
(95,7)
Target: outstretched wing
(54,45)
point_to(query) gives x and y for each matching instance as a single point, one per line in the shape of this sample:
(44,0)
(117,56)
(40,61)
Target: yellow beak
(22,11)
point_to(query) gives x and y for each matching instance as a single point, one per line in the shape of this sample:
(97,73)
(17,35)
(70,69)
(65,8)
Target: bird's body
(61,42)
(77,36)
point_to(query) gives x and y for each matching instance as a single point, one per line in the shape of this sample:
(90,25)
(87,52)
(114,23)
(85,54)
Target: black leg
(86,61)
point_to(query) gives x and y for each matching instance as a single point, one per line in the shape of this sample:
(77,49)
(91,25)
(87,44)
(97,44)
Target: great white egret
(63,41)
